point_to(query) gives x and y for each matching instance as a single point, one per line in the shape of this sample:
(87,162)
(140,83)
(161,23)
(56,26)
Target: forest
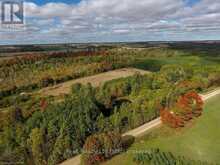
(42,130)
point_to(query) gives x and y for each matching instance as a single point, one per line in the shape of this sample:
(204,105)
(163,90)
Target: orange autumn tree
(171,119)
(187,107)
(43,105)
(100,147)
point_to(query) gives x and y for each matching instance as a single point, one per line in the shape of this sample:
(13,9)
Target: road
(141,130)
(210,95)
(144,128)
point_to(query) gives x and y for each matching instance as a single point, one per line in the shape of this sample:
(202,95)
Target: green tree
(36,142)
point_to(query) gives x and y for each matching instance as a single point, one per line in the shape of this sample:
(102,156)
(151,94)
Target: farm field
(96,80)
(198,141)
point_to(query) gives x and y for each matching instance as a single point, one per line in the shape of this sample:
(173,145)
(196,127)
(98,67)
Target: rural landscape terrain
(143,103)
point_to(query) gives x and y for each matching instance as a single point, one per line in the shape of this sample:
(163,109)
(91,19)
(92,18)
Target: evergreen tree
(36,142)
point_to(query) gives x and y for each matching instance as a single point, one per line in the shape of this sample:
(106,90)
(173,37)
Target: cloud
(50,10)
(120,20)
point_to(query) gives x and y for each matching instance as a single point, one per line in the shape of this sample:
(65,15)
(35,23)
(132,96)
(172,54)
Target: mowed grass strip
(198,141)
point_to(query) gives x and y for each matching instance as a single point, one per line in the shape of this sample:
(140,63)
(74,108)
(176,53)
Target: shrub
(127,141)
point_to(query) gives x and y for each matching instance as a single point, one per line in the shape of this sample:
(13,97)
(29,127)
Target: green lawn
(199,141)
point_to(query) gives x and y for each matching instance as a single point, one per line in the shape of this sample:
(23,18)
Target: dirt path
(140,130)
(144,128)
(95,80)
(73,161)
(210,95)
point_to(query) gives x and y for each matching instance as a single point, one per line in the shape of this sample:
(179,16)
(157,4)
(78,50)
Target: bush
(100,147)
(127,141)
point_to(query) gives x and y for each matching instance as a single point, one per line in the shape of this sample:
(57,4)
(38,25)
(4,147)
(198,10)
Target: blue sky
(42,2)
(53,21)
(192,2)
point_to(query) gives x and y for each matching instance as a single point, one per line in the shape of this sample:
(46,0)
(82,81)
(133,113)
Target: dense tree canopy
(47,131)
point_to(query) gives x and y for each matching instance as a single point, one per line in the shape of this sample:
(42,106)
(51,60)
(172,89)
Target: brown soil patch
(96,80)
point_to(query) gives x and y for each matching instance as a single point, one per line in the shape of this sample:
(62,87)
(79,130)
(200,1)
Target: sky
(74,21)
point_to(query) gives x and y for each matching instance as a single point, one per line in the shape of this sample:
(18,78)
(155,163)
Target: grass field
(199,141)
(154,63)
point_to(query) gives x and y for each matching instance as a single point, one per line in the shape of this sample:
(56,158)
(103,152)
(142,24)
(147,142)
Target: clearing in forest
(96,80)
